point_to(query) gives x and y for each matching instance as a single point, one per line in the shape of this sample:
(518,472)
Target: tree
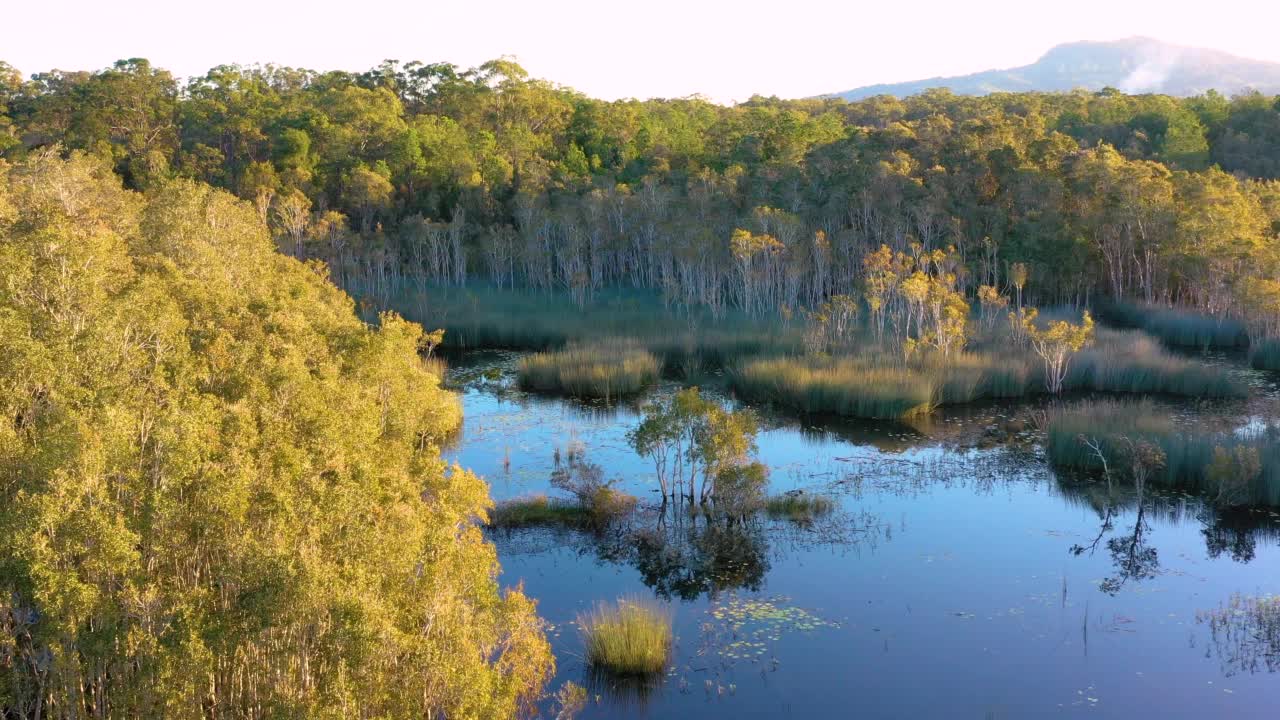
(689,437)
(221,488)
(1055,344)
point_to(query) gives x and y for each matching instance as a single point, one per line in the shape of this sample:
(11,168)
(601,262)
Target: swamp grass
(604,370)
(604,506)
(1265,355)
(1178,327)
(836,386)
(1192,456)
(799,507)
(877,386)
(631,637)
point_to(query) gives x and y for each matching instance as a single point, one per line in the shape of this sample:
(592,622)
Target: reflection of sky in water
(956,594)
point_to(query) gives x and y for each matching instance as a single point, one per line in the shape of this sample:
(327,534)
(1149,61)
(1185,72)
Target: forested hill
(435,174)
(1132,65)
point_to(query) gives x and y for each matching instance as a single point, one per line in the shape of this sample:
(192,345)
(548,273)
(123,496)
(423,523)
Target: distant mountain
(1134,65)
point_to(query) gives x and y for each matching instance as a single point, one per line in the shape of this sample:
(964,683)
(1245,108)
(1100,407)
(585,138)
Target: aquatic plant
(1178,327)
(799,507)
(1246,633)
(1226,468)
(630,637)
(844,386)
(606,370)
(536,510)
(1265,355)
(744,628)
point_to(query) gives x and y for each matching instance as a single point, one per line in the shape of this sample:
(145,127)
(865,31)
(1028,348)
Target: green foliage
(1057,195)
(689,437)
(631,637)
(607,369)
(799,507)
(1265,355)
(220,487)
(847,387)
(740,488)
(1226,468)
(537,510)
(1179,328)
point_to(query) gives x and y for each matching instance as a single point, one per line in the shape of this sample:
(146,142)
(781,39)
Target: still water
(958,578)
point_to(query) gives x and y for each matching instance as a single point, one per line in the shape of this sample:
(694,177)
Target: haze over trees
(1134,65)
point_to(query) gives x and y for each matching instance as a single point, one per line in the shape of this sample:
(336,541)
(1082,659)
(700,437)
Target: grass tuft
(799,507)
(537,510)
(631,637)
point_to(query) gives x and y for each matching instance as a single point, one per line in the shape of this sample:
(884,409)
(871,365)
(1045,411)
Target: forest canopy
(453,175)
(222,491)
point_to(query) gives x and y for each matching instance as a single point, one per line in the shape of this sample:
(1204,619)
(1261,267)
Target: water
(955,580)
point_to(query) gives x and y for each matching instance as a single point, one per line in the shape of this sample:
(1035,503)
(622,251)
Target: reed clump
(631,637)
(607,370)
(536,511)
(1133,363)
(1178,327)
(799,507)
(1227,468)
(844,386)
(879,386)
(605,505)
(1265,355)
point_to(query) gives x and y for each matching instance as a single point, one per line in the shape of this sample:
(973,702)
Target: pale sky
(724,49)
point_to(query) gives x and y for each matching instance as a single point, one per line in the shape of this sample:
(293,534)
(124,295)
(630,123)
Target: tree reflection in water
(1234,532)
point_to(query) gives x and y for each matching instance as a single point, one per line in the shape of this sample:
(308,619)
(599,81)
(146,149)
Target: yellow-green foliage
(630,637)
(602,370)
(219,487)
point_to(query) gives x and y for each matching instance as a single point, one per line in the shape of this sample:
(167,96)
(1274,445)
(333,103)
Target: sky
(726,50)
